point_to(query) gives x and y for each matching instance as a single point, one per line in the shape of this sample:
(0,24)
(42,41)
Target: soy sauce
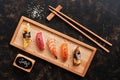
(23,62)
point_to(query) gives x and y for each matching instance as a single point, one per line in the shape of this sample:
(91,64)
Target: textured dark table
(101,16)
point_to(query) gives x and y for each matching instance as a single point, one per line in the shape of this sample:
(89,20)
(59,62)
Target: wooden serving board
(87,52)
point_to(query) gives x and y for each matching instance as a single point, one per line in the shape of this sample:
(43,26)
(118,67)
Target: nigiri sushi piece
(64,51)
(40,41)
(52,46)
(77,56)
(26,35)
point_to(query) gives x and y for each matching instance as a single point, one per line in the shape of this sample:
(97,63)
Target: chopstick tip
(49,6)
(50,9)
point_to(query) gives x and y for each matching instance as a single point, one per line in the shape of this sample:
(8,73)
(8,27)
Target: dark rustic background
(100,16)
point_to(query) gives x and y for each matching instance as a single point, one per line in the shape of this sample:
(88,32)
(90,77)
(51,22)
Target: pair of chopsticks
(63,16)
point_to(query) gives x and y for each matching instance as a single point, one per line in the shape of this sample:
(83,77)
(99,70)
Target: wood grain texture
(87,51)
(51,15)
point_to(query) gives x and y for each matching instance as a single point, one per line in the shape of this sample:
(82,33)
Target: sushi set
(53,46)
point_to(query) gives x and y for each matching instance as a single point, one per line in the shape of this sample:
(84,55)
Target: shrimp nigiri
(64,51)
(52,46)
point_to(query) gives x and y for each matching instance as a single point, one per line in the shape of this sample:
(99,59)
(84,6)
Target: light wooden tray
(87,52)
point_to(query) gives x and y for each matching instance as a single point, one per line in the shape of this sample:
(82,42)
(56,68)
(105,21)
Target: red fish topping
(39,41)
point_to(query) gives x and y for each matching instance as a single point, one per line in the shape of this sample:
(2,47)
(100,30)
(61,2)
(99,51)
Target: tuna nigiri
(64,51)
(52,46)
(26,35)
(40,41)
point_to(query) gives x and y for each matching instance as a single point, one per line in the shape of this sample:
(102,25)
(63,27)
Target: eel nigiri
(64,51)
(40,41)
(76,56)
(52,46)
(26,35)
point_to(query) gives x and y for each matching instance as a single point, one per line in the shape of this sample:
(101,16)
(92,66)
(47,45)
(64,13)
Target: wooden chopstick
(80,25)
(79,30)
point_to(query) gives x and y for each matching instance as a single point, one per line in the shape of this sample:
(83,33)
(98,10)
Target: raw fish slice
(77,56)
(40,41)
(26,35)
(52,46)
(64,51)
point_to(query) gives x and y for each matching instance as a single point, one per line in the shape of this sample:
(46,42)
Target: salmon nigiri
(64,51)
(52,46)
(26,35)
